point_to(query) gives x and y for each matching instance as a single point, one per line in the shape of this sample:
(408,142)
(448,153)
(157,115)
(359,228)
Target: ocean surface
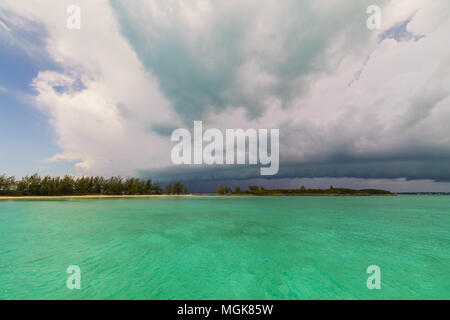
(226,247)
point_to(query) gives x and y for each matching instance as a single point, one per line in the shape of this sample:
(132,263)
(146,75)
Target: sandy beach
(90,197)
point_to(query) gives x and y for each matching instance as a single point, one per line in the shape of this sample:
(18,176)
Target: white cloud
(104,122)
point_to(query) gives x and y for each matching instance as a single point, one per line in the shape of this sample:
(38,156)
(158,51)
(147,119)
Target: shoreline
(5,198)
(100,196)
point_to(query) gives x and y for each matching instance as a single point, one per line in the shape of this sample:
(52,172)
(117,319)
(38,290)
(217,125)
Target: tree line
(261,191)
(36,185)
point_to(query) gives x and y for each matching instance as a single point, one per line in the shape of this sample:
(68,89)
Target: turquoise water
(226,247)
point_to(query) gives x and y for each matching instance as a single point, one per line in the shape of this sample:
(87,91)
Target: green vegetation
(302,191)
(224,190)
(68,185)
(177,188)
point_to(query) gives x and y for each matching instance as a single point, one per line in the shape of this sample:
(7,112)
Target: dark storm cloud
(434,167)
(203,70)
(209,63)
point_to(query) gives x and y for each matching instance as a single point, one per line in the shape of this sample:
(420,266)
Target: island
(303,191)
(37,187)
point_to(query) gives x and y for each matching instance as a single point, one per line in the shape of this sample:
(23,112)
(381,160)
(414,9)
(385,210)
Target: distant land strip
(37,187)
(303,191)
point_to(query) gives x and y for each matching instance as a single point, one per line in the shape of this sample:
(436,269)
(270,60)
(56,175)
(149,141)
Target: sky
(355,107)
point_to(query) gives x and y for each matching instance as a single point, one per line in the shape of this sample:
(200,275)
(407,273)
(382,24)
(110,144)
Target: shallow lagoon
(226,247)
